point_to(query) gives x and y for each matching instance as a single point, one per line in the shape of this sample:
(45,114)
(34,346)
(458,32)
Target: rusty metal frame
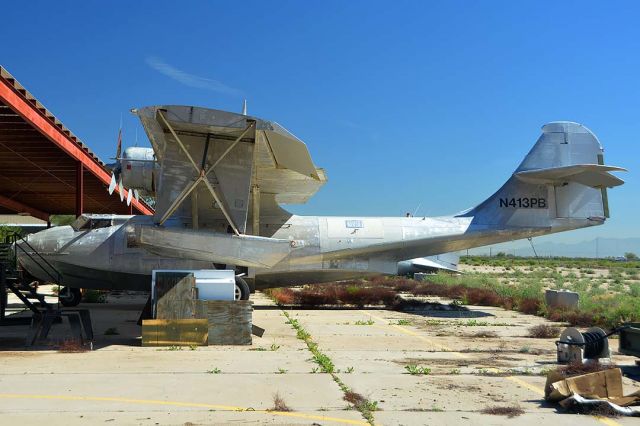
(53,130)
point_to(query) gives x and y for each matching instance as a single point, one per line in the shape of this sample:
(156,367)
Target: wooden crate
(229,321)
(175,295)
(175,332)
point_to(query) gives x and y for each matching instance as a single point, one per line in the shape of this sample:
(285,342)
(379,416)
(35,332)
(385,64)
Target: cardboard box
(605,385)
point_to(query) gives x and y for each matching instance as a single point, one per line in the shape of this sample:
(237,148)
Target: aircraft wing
(446,262)
(216,165)
(242,250)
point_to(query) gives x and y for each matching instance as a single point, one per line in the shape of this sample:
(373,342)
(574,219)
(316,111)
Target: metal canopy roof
(44,168)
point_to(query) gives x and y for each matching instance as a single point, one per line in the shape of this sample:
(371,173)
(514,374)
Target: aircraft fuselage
(326,249)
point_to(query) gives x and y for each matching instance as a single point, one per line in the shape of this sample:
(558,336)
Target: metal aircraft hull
(108,258)
(559,186)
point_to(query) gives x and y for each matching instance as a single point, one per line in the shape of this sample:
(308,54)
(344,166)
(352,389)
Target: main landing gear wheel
(70,297)
(242,289)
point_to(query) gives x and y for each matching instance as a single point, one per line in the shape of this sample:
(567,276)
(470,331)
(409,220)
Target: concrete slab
(302,392)
(122,382)
(457,418)
(376,345)
(167,416)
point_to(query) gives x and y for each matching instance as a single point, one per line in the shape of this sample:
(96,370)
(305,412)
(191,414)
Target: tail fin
(561,183)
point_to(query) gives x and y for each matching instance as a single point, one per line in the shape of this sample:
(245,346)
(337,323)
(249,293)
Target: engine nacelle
(138,169)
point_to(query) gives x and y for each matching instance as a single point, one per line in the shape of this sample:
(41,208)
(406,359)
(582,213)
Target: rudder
(562,177)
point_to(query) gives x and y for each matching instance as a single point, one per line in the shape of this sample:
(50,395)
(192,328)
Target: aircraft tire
(3,301)
(74,298)
(242,289)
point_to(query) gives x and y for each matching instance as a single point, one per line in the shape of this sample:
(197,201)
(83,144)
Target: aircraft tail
(562,183)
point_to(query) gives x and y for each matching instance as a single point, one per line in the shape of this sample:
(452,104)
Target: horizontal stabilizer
(239,250)
(592,175)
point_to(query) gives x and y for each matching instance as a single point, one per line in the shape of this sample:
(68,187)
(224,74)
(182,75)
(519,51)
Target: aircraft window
(131,240)
(354,224)
(84,224)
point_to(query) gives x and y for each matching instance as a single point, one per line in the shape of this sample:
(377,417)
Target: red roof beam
(18,207)
(55,135)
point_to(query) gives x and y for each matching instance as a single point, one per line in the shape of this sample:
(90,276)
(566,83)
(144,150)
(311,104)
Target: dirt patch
(508,358)
(436,362)
(353,397)
(466,388)
(491,361)
(509,411)
(530,351)
(485,334)
(72,346)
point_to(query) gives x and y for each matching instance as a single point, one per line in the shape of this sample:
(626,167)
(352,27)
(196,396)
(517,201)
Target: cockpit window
(94,221)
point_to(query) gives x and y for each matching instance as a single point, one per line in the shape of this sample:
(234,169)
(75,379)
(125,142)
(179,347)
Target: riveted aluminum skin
(285,249)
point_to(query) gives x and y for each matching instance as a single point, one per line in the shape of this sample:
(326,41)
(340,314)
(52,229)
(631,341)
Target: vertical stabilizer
(560,183)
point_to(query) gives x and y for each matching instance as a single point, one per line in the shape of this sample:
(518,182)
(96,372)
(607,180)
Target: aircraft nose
(47,241)
(31,240)
(23,245)
(32,244)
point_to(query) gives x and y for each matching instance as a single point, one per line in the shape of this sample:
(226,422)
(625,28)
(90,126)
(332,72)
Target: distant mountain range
(599,247)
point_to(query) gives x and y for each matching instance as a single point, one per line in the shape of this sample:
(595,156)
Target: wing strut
(173,132)
(202,174)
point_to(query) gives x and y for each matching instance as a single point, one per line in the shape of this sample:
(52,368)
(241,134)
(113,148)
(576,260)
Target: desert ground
(314,365)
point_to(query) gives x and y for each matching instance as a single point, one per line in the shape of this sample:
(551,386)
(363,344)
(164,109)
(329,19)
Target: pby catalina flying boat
(219,184)
(137,168)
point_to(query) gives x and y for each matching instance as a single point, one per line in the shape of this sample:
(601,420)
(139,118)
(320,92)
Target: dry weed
(279,403)
(544,331)
(509,411)
(72,346)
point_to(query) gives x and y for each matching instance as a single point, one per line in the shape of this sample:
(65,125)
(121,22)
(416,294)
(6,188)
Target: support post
(194,210)
(255,192)
(79,188)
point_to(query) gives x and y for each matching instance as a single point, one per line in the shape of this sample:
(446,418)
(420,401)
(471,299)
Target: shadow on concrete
(631,371)
(429,309)
(451,314)
(113,323)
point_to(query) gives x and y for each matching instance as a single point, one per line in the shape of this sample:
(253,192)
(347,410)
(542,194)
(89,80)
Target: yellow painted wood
(178,332)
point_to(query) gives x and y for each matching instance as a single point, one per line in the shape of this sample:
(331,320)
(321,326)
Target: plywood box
(174,294)
(229,321)
(175,332)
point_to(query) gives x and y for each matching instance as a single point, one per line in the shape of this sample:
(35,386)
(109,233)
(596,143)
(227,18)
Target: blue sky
(405,104)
